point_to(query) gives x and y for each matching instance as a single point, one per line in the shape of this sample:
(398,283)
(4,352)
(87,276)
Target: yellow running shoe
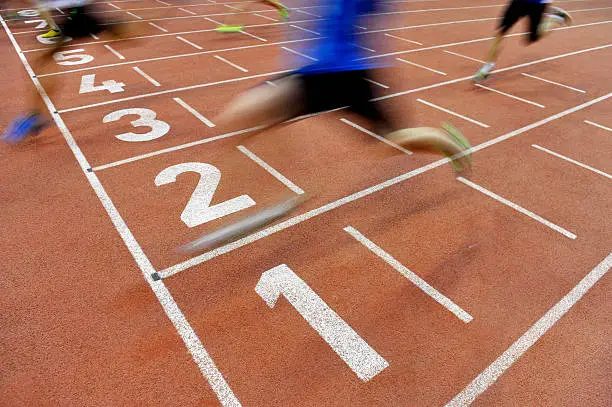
(52,33)
(229,28)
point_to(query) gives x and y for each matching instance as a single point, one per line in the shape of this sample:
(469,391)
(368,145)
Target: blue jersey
(338,48)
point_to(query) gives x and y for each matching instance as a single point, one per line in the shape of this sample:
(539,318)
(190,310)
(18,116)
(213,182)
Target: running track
(402,285)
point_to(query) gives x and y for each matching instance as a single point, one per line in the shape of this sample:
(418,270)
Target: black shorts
(518,9)
(332,90)
(80,24)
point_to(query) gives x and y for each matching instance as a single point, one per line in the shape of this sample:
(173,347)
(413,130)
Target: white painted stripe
(266,17)
(196,46)
(194,112)
(404,39)
(188,11)
(360,27)
(112,5)
(413,278)
(597,125)
(376,83)
(60,11)
(376,136)
(510,96)
(307,13)
(94,36)
(163,2)
(213,21)
(595,170)
(232,7)
(118,55)
(231,63)
(253,36)
(299,53)
(204,257)
(133,15)
(420,66)
(147,77)
(272,84)
(305,29)
(158,27)
(518,208)
(486,126)
(364,48)
(271,170)
(490,375)
(554,83)
(200,356)
(465,56)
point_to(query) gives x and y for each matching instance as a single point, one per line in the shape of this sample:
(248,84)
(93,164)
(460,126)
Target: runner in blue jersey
(542,18)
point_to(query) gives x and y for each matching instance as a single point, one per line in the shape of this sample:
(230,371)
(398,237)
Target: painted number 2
(356,353)
(147,119)
(198,209)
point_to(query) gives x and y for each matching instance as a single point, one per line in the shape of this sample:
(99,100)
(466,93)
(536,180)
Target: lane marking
(364,48)
(192,342)
(94,36)
(253,36)
(597,125)
(266,17)
(188,11)
(554,83)
(147,77)
(595,170)
(115,7)
(194,112)
(133,15)
(376,83)
(212,21)
(411,276)
(163,2)
(486,126)
(510,96)
(307,13)
(196,46)
(158,27)
(465,56)
(118,55)
(376,136)
(360,27)
(404,39)
(420,66)
(60,11)
(271,170)
(490,375)
(518,208)
(231,63)
(305,29)
(272,84)
(232,7)
(204,257)
(299,53)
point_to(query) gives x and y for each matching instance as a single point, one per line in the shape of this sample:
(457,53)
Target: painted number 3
(148,118)
(198,209)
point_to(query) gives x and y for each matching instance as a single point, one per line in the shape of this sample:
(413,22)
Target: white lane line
(115,7)
(272,84)
(133,15)
(231,63)
(413,278)
(307,13)
(94,36)
(465,56)
(60,11)
(510,96)
(118,55)
(420,66)
(163,2)
(253,36)
(376,136)
(188,11)
(305,29)
(376,83)
(271,170)
(194,112)
(518,208)
(196,46)
(486,126)
(595,170)
(361,27)
(193,344)
(490,375)
(299,53)
(204,257)
(266,17)
(364,48)
(232,7)
(403,39)
(554,83)
(158,27)
(597,125)
(147,77)
(212,21)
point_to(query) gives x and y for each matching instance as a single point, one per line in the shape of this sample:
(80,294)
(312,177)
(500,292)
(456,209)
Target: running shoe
(22,127)
(483,73)
(563,14)
(462,143)
(229,28)
(52,33)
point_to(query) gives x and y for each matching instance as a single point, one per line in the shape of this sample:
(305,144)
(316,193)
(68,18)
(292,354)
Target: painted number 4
(88,85)
(351,348)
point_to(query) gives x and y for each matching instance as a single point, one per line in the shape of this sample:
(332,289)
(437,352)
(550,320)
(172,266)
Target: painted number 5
(198,209)
(147,119)
(71,57)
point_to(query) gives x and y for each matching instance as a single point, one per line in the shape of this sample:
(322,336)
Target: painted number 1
(356,353)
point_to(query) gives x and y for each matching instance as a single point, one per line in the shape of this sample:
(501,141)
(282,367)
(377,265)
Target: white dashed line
(305,29)
(466,57)
(421,66)
(597,125)
(271,170)
(510,96)
(403,39)
(188,11)
(486,126)
(133,15)
(376,136)
(595,170)
(158,27)
(194,112)
(266,17)
(253,36)
(376,83)
(118,55)
(196,46)
(231,63)
(144,75)
(554,83)
(115,7)
(299,53)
